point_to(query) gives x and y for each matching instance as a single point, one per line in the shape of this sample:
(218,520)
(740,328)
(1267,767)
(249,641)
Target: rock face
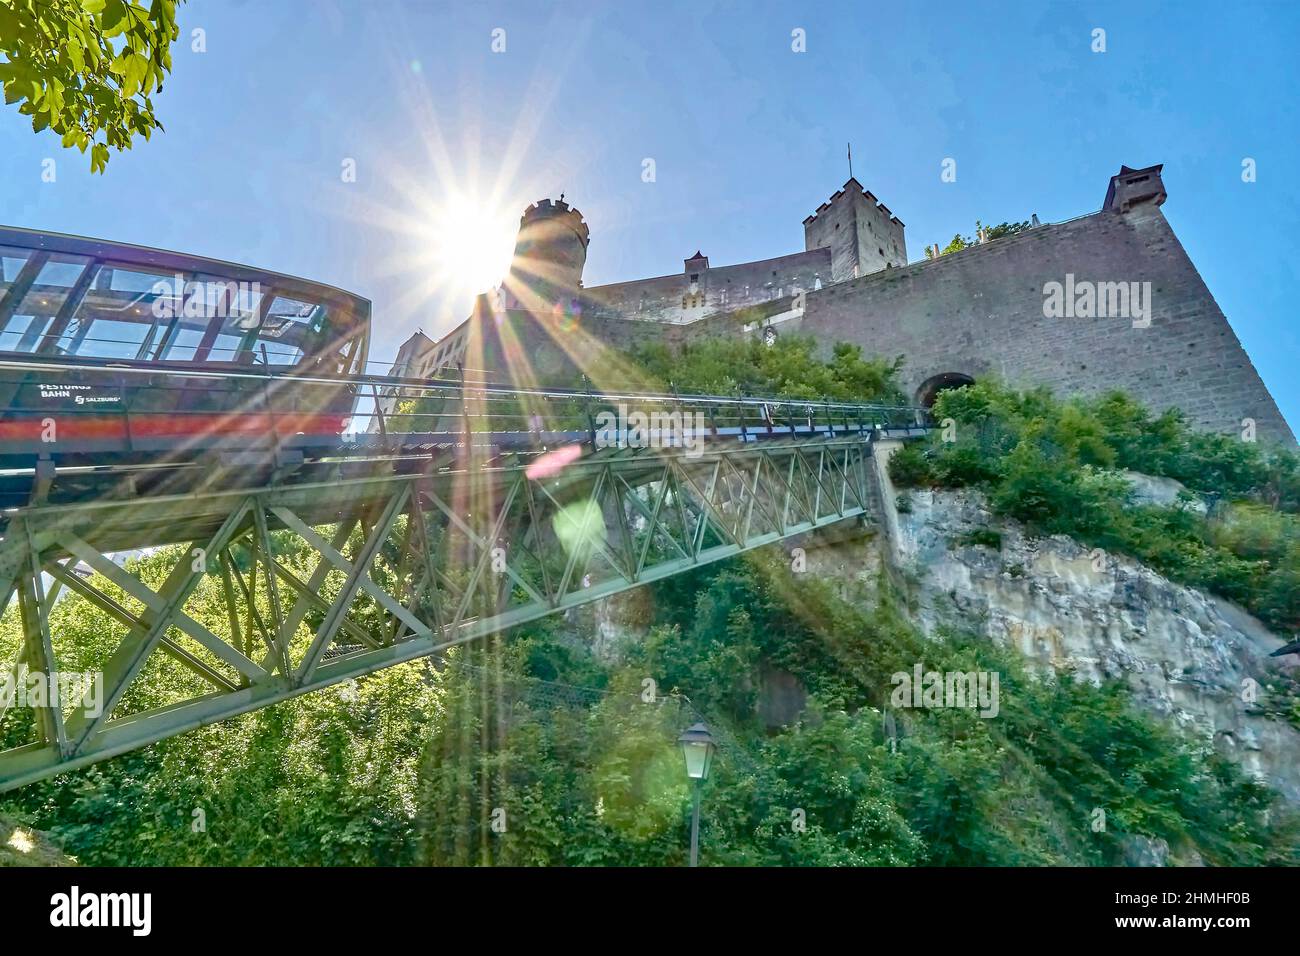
(23,846)
(613,623)
(1194,658)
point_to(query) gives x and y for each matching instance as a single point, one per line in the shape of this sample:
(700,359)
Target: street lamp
(698,748)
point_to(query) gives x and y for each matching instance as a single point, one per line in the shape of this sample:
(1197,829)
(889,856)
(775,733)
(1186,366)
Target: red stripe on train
(180,426)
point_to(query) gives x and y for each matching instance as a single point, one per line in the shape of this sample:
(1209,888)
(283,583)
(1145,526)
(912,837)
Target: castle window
(695,277)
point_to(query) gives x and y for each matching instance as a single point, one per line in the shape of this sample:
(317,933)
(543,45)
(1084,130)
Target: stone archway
(931,387)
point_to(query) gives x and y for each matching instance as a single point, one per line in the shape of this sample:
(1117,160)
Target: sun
(453,240)
(470,243)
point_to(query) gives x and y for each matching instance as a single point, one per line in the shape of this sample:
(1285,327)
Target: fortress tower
(862,235)
(550,252)
(1135,187)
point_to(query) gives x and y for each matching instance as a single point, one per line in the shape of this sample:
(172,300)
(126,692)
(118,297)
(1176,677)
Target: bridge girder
(285,590)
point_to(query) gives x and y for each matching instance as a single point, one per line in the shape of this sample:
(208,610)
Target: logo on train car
(80,394)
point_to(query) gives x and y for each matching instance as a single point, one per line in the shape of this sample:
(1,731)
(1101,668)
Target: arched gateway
(931,387)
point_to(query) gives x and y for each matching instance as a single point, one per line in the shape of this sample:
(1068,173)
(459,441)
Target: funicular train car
(109,351)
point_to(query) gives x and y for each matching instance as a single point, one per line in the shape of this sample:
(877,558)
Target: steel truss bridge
(473,509)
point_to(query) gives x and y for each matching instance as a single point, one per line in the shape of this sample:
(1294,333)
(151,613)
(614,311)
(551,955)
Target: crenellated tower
(861,233)
(550,252)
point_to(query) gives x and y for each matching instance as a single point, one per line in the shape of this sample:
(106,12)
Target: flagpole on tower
(850,160)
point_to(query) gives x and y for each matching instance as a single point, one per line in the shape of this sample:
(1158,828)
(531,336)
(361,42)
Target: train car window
(205,300)
(61,303)
(61,272)
(11,263)
(15,330)
(289,330)
(121,309)
(336,353)
(182,344)
(111,278)
(50,288)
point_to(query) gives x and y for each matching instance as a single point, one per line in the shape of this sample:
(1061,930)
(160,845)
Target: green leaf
(76,55)
(113,20)
(137,68)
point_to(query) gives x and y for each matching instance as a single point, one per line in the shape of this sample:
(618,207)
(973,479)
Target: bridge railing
(438,407)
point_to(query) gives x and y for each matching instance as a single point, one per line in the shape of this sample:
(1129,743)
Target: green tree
(960,242)
(789,368)
(85,69)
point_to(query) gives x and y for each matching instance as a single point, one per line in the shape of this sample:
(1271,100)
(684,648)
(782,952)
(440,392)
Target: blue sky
(747,136)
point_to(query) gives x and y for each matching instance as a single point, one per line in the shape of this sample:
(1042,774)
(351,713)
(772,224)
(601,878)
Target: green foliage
(1055,465)
(596,780)
(318,781)
(960,242)
(909,468)
(790,368)
(982,538)
(84,69)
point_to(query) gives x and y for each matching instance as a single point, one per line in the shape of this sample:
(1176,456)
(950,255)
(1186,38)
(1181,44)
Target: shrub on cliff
(1053,464)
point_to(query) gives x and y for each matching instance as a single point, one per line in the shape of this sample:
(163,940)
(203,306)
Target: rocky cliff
(1194,658)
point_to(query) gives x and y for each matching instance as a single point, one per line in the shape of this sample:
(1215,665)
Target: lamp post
(697,747)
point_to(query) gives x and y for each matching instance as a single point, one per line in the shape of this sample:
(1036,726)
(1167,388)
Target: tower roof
(556,209)
(697,261)
(1135,186)
(849,187)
